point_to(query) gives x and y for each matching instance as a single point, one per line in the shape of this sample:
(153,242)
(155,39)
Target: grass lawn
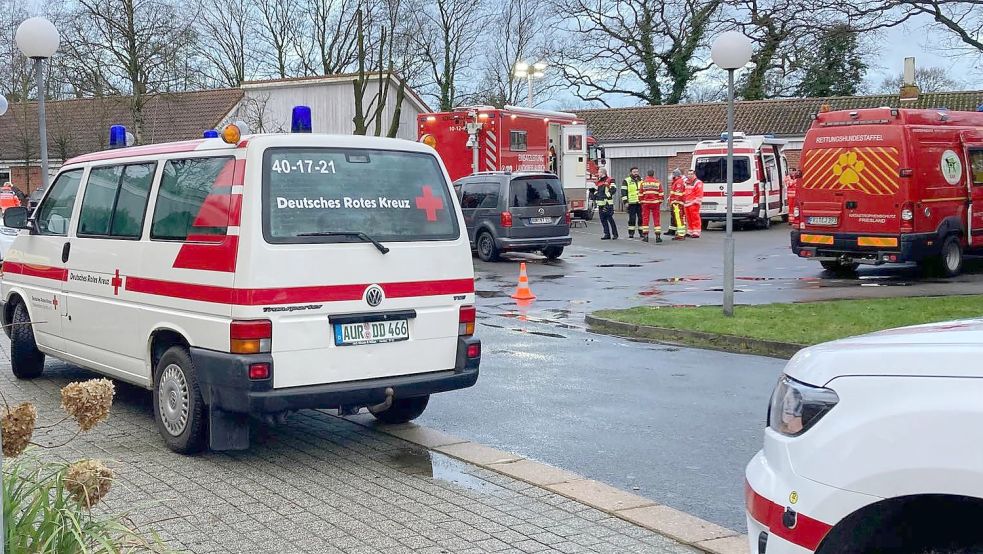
(806,323)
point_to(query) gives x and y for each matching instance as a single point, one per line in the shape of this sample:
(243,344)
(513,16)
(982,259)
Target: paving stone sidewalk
(317,484)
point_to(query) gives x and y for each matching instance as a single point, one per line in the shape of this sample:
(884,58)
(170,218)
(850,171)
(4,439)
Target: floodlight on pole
(530,72)
(38,39)
(730,51)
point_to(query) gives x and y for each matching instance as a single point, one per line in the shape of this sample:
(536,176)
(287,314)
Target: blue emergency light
(300,121)
(980,107)
(117,136)
(211,133)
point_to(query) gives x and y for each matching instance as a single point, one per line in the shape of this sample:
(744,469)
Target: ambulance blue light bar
(300,120)
(117,136)
(211,133)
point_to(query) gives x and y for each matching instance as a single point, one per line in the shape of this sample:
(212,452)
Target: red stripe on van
(219,256)
(133,151)
(807,532)
(699,153)
(293,295)
(724,193)
(32,270)
(220,209)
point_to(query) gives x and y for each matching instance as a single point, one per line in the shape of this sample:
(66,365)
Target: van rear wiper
(357,234)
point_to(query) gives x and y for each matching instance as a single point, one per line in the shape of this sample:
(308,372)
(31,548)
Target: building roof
(81,125)
(780,117)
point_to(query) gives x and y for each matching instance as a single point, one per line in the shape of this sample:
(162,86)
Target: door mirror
(15,217)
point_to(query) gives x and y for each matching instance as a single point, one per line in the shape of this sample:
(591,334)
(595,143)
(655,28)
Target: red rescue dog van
(890,185)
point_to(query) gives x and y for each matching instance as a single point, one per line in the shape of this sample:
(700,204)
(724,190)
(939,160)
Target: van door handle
(64,252)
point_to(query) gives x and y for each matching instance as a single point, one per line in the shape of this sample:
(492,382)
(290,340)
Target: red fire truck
(890,185)
(483,138)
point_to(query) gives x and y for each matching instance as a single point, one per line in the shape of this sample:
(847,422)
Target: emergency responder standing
(677,194)
(604,197)
(8,199)
(792,182)
(633,185)
(692,201)
(651,197)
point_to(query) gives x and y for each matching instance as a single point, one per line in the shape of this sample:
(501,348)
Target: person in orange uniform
(677,194)
(8,198)
(651,196)
(692,201)
(792,181)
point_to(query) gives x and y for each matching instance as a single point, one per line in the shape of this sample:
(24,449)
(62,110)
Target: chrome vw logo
(374,295)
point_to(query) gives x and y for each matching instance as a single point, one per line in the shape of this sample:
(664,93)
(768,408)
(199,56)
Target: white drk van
(249,276)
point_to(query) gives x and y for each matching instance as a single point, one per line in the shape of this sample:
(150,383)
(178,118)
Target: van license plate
(371,332)
(540,220)
(823,220)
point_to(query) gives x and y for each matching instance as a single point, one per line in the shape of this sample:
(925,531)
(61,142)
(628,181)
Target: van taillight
(757,192)
(506,219)
(250,336)
(466,321)
(569,218)
(907,217)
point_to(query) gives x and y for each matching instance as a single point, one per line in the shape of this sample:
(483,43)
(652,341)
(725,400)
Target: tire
(785,218)
(182,419)
(950,260)
(403,410)
(553,252)
(485,245)
(764,222)
(839,268)
(26,361)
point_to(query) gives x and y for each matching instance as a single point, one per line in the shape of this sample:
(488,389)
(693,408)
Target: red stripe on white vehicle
(32,270)
(216,249)
(724,194)
(133,151)
(293,295)
(722,151)
(807,533)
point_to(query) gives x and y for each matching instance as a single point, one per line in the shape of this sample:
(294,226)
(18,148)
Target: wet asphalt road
(673,424)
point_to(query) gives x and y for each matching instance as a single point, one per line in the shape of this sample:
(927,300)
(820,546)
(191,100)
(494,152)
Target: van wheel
(26,361)
(553,252)
(403,410)
(950,261)
(764,222)
(179,410)
(839,268)
(487,250)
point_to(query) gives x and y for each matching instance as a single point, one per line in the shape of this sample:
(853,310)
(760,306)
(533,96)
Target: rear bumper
(532,243)
(911,247)
(224,383)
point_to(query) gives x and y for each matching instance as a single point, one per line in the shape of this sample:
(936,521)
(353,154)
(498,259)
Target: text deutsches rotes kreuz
(340,203)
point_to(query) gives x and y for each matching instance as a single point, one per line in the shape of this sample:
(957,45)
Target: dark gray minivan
(514,212)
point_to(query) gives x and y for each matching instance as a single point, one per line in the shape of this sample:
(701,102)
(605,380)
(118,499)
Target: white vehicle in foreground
(874,444)
(7,236)
(254,275)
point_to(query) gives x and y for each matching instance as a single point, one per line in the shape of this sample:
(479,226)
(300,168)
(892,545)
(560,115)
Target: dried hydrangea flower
(88,481)
(18,426)
(89,401)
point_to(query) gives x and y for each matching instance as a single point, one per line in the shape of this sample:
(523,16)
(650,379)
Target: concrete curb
(700,339)
(643,512)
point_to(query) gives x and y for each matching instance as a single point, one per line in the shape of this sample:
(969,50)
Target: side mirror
(15,217)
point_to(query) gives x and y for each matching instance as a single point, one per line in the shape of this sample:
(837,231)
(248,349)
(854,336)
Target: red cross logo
(117,282)
(429,203)
(54,302)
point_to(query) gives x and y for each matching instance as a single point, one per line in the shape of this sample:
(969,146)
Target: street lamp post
(3,110)
(530,72)
(38,39)
(730,51)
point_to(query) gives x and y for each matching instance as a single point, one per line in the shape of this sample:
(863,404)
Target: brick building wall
(26,178)
(793,157)
(682,160)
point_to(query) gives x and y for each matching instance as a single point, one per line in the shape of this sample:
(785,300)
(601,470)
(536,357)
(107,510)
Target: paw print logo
(848,168)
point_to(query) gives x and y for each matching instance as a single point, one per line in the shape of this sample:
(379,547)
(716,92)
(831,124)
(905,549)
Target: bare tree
(928,79)
(779,31)
(330,48)
(278,21)
(645,49)
(144,42)
(228,26)
(445,35)
(377,72)
(18,76)
(256,112)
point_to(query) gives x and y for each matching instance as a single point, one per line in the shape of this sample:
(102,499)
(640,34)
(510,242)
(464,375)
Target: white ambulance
(759,179)
(254,275)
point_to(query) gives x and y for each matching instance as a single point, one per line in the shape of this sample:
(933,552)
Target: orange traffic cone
(522,292)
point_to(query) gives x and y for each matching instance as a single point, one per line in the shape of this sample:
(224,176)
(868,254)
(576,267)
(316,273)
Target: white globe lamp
(3,104)
(37,38)
(731,50)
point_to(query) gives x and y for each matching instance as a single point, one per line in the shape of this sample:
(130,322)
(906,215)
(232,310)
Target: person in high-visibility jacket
(8,198)
(792,181)
(692,201)
(633,185)
(677,194)
(604,196)
(651,197)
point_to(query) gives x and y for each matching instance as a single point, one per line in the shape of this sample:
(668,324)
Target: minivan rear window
(714,169)
(535,191)
(390,196)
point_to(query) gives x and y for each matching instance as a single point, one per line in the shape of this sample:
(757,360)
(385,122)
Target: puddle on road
(492,325)
(686,279)
(542,333)
(440,468)
(618,265)
(490,294)
(549,277)
(650,292)
(721,289)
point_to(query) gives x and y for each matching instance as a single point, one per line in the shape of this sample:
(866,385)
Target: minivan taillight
(907,217)
(466,321)
(250,336)
(757,192)
(506,219)
(569,217)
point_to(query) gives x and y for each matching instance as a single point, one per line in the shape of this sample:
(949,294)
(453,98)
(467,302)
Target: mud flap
(227,430)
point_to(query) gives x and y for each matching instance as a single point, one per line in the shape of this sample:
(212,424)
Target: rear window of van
(390,196)
(535,191)
(714,169)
